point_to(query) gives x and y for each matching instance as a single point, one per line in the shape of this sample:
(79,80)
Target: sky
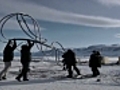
(73,23)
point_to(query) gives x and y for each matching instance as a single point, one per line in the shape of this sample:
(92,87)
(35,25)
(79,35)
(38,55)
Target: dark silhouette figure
(8,54)
(95,62)
(69,61)
(25,60)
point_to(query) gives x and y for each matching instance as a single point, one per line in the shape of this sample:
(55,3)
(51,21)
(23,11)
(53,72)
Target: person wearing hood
(70,61)
(95,63)
(8,55)
(25,60)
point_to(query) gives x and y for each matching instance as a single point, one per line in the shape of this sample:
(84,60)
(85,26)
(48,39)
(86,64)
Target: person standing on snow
(95,62)
(25,60)
(8,56)
(70,61)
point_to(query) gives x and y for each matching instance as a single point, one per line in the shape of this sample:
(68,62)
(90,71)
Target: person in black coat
(95,62)
(8,55)
(25,60)
(70,61)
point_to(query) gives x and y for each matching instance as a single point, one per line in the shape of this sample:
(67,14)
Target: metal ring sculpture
(34,36)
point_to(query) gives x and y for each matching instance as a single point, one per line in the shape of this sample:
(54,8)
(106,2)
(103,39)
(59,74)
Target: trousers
(7,65)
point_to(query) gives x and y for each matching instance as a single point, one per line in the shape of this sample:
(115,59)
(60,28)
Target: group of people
(8,55)
(69,63)
(69,60)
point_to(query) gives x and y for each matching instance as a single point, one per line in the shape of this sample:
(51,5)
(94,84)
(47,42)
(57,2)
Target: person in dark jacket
(95,62)
(25,60)
(8,57)
(70,61)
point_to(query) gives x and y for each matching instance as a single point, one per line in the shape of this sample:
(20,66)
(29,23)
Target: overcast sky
(74,23)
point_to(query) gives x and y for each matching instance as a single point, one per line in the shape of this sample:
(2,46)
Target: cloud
(117,35)
(40,12)
(12,24)
(110,2)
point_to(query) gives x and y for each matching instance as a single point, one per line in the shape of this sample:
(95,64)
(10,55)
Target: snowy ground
(46,75)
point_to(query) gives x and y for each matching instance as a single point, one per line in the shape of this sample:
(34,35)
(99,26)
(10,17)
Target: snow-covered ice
(46,75)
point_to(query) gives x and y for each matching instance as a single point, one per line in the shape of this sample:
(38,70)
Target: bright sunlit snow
(48,75)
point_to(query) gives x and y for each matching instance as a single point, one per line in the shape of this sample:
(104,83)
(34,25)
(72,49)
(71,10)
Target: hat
(24,46)
(94,51)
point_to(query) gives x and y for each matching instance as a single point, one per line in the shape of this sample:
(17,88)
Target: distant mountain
(105,50)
